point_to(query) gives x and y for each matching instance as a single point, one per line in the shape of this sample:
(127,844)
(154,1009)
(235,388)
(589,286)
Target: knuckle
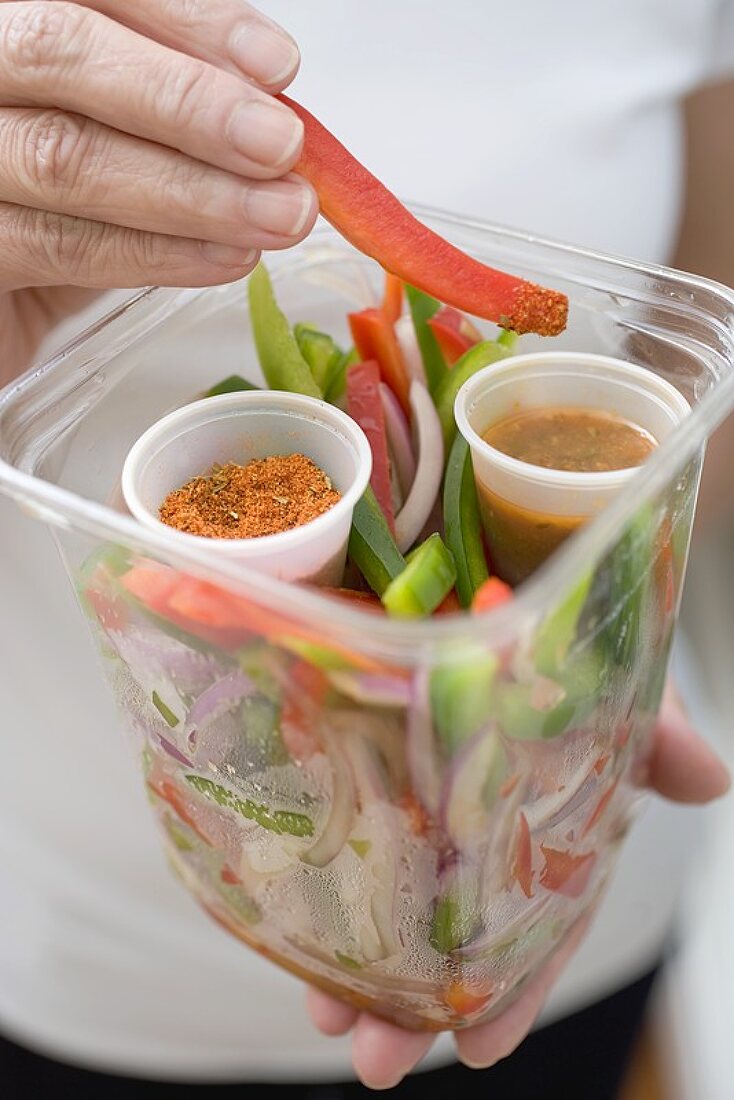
(188,14)
(67,243)
(54,150)
(34,34)
(184,93)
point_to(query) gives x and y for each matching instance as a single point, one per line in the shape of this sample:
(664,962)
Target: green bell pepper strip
(320,352)
(454,922)
(234,384)
(557,631)
(445,394)
(336,383)
(462,523)
(372,547)
(428,577)
(276,821)
(461,694)
(277,348)
(422,308)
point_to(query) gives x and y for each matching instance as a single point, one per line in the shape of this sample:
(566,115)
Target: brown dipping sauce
(568,439)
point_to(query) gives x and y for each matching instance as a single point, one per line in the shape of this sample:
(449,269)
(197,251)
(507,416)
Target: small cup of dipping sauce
(553,437)
(219,471)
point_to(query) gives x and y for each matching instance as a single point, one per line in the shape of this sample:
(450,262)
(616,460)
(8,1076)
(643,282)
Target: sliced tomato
(392,303)
(493,593)
(565,873)
(374,338)
(454,333)
(522,866)
(465,1002)
(365,406)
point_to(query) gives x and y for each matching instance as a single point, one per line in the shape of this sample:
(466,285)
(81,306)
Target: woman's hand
(680,767)
(139,144)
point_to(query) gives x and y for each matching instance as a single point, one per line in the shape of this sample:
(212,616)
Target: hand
(680,767)
(139,145)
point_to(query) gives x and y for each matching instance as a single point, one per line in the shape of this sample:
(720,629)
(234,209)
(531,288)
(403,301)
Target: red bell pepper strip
(454,333)
(365,406)
(376,223)
(300,711)
(522,867)
(464,1002)
(392,303)
(565,873)
(374,338)
(493,593)
(600,807)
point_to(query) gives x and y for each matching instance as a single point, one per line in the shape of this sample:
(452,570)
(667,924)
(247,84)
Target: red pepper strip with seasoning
(377,224)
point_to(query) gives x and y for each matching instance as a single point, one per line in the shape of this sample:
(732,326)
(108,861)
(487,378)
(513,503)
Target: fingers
(382,1054)
(481,1046)
(42,249)
(65,163)
(81,61)
(330,1016)
(681,766)
(229,34)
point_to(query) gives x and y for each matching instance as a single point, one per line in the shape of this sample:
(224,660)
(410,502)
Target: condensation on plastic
(411,815)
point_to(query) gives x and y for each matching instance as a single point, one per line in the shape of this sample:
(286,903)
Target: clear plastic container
(410,815)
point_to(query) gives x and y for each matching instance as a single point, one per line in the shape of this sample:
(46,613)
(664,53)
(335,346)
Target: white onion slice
(398,438)
(427,481)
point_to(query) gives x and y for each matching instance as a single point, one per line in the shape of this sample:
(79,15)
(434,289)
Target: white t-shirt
(560,118)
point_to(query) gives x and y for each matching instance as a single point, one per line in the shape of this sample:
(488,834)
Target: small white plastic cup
(552,379)
(240,427)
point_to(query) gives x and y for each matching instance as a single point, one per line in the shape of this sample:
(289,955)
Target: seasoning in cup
(265,497)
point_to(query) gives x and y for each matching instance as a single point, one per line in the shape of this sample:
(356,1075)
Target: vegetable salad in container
(405,785)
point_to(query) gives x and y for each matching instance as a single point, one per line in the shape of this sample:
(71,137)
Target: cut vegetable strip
(422,308)
(427,579)
(427,482)
(493,593)
(409,349)
(398,437)
(277,349)
(371,545)
(392,302)
(455,334)
(445,395)
(375,222)
(374,338)
(462,523)
(365,406)
(234,384)
(320,352)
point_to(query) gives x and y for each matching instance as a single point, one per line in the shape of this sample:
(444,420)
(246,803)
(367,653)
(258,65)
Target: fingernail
(470,1063)
(266,131)
(282,207)
(264,53)
(225,255)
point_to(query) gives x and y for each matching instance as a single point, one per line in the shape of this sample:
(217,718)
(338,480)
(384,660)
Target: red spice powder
(265,497)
